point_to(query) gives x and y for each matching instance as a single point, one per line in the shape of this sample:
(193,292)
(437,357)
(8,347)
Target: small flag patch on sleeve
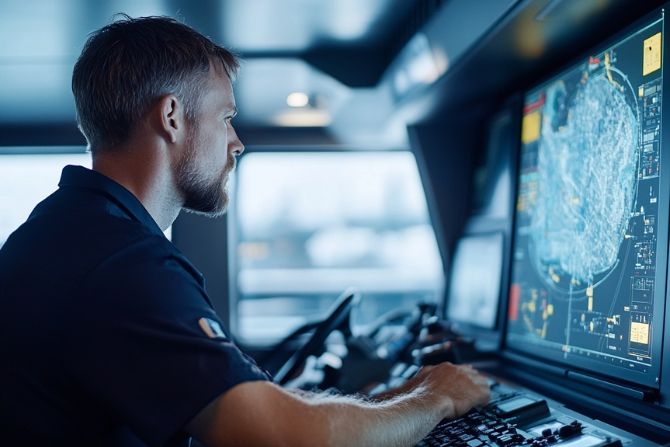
(211,328)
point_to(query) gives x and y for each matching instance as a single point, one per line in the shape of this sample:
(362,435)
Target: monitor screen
(474,288)
(590,238)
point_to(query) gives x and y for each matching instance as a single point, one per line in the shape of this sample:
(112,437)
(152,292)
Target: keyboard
(473,430)
(517,419)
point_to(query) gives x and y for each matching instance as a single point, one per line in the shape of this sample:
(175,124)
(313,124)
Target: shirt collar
(80,177)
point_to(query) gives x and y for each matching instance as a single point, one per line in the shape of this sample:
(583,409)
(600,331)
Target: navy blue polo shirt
(107,336)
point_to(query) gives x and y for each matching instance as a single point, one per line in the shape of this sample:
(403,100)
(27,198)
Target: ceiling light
(297,99)
(303,118)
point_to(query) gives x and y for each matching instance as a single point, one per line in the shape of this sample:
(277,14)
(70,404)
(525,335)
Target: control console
(519,417)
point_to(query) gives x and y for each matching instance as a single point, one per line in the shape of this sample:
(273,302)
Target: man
(108,337)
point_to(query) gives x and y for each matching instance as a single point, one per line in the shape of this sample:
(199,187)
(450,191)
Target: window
(308,225)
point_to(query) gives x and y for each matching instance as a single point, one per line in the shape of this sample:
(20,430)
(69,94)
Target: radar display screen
(588,279)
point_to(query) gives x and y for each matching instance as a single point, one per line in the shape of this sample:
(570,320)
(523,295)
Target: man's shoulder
(81,234)
(63,245)
(147,273)
(139,252)
(78,214)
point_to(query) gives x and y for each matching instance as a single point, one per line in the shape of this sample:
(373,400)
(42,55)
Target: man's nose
(236,145)
(239,148)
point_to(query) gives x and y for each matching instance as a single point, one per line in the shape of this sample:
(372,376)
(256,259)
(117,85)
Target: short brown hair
(129,64)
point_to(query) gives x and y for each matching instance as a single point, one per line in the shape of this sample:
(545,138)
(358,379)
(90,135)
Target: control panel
(519,417)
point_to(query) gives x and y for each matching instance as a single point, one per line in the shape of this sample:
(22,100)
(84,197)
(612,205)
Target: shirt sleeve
(145,354)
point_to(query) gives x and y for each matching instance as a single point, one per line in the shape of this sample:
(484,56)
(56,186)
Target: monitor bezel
(653,378)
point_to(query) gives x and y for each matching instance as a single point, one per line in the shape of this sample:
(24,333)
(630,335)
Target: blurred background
(377,133)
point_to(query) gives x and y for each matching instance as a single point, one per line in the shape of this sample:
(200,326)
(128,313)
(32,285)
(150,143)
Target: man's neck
(145,171)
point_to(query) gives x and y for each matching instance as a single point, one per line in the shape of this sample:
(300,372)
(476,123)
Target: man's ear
(172,118)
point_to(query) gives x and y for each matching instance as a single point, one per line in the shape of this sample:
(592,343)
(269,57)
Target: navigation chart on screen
(585,251)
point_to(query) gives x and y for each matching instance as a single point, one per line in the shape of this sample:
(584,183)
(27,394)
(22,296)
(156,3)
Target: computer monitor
(588,268)
(474,284)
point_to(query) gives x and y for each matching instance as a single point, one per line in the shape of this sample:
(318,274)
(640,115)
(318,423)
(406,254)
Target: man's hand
(460,387)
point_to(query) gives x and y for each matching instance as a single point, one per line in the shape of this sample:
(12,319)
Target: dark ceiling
(367,67)
(324,48)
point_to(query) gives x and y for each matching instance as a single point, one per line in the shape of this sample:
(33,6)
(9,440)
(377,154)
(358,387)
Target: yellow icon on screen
(530,127)
(639,333)
(651,59)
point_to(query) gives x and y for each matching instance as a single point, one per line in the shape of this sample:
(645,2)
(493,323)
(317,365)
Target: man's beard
(201,195)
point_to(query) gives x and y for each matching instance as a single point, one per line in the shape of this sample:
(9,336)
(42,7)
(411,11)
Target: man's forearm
(260,413)
(400,421)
